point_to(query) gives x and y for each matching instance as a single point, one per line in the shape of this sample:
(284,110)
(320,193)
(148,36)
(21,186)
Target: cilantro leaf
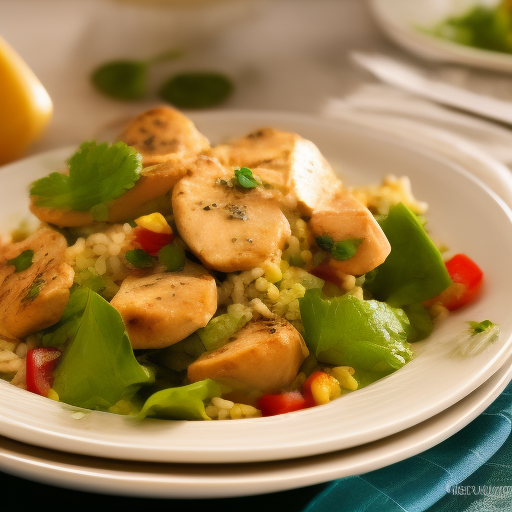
(245,178)
(172,256)
(22,261)
(139,258)
(98,173)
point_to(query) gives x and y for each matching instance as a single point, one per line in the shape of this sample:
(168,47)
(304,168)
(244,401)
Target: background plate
(463,213)
(400,21)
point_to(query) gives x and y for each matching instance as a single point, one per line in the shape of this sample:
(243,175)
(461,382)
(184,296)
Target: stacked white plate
(411,410)
(402,21)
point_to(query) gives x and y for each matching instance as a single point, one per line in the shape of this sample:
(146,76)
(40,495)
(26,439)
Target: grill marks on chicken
(35,298)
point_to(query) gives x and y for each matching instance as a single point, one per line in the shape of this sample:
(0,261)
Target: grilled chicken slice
(35,298)
(145,197)
(227,228)
(343,217)
(305,172)
(265,355)
(163,134)
(162,308)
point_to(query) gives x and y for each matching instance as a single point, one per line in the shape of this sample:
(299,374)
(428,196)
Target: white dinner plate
(401,20)
(150,480)
(464,213)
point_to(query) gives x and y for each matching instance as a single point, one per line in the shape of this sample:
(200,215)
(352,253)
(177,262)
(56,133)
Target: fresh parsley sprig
(98,173)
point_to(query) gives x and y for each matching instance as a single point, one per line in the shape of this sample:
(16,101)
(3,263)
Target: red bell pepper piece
(327,272)
(271,405)
(467,280)
(41,363)
(151,241)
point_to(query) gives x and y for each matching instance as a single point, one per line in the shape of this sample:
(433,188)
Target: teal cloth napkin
(469,472)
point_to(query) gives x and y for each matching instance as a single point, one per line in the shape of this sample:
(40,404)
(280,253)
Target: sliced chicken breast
(162,308)
(163,134)
(306,173)
(343,217)
(227,227)
(265,355)
(34,298)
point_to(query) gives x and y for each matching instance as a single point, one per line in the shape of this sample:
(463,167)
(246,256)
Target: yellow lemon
(25,107)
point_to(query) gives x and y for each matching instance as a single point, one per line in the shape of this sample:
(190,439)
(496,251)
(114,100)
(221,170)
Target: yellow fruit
(25,106)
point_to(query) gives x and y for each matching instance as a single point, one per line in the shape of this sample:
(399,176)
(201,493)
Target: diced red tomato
(271,405)
(467,280)
(151,241)
(328,272)
(41,363)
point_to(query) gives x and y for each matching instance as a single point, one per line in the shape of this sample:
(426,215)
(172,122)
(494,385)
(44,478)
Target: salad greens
(414,271)
(181,403)
(98,173)
(368,335)
(110,371)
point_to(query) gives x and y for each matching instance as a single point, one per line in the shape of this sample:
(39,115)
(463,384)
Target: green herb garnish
(345,249)
(172,256)
(98,173)
(478,327)
(22,261)
(245,178)
(325,242)
(196,90)
(34,291)
(139,258)
(127,79)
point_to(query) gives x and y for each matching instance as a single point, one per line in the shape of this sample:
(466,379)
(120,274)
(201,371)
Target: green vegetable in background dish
(98,173)
(181,403)
(414,271)
(98,366)
(196,90)
(367,335)
(484,27)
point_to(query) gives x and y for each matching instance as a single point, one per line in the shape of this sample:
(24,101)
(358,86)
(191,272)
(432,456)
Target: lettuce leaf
(181,403)
(98,366)
(368,335)
(414,271)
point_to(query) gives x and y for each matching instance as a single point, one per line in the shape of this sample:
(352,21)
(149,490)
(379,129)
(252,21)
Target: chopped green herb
(245,178)
(482,326)
(139,258)
(196,90)
(98,173)
(345,249)
(127,79)
(172,256)
(34,291)
(22,261)
(325,242)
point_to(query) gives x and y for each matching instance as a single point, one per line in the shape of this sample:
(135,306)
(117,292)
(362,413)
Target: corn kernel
(52,395)
(154,222)
(325,389)
(343,374)
(273,273)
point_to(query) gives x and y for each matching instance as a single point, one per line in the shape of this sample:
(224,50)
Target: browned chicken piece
(144,198)
(161,308)
(163,134)
(228,228)
(305,172)
(35,298)
(265,355)
(343,217)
